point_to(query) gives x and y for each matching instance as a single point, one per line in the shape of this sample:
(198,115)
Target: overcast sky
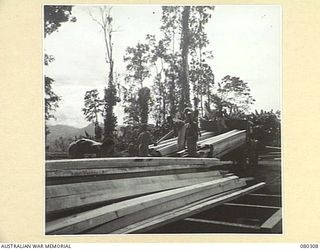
(245,40)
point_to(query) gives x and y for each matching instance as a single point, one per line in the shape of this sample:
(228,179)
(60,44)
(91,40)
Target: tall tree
(137,59)
(51,100)
(144,98)
(202,78)
(131,108)
(233,95)
(172,69)
(93,107)
(171,28)
(184,74)
(138,69)
(54,16)
(158,60)
(105,21)
(201,74)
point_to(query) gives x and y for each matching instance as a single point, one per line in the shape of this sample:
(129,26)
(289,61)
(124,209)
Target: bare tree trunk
(184,76)
(164,109)
(208,93)
(172,97)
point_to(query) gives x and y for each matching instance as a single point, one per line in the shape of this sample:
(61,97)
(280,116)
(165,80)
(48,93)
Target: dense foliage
(54,16)
(106,22)
(267,126)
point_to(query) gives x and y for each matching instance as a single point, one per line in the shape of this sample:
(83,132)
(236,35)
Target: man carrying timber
(191,133)
(221,122)
(179,128)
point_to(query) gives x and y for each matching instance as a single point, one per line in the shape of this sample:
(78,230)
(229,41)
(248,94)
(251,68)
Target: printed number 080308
(308,245)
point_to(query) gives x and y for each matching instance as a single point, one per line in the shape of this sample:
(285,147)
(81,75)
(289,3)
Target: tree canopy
(177,62)
(55,15)
(233,94)
(93,106)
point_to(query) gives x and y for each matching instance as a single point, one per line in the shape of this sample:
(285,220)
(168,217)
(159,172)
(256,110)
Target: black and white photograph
(162,119)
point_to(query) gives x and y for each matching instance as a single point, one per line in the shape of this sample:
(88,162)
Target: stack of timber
(223,144)
(270,153)
(216,145)
(125,195)
(169,146)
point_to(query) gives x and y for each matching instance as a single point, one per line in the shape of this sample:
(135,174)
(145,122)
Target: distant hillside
(68,133)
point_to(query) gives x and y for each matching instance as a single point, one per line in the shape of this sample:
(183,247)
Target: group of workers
(186,131)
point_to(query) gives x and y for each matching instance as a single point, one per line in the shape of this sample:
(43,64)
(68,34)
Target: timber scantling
(137,194)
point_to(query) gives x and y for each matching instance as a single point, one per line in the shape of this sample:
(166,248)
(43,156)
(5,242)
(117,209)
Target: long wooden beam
(87,187)
(221,144)
(172,147)
(272,221)
(223,147)
(130,170)
(222,223)
(249,205)
(70,196)
(162,208)
(271,147)
(174,141)
(184,212)
(59,177)
(221,137)
(266,195)
(166,136)
(127,162)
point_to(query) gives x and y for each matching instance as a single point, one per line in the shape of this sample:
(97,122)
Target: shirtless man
(143,141)
(180,129)
(79,148)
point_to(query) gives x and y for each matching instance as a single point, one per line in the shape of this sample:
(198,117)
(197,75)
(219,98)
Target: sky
(245,40)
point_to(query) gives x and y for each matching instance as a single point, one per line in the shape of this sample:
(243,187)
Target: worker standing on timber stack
(196,119)
(179,128)
(144,139)
(221,122)
(191,133)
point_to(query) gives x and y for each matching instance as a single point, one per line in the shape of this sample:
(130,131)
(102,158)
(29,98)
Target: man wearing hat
(191,133)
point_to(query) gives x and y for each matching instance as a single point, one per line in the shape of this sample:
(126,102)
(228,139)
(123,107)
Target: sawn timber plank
(164,207)
(127,162)
(61,197)
(184,212)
